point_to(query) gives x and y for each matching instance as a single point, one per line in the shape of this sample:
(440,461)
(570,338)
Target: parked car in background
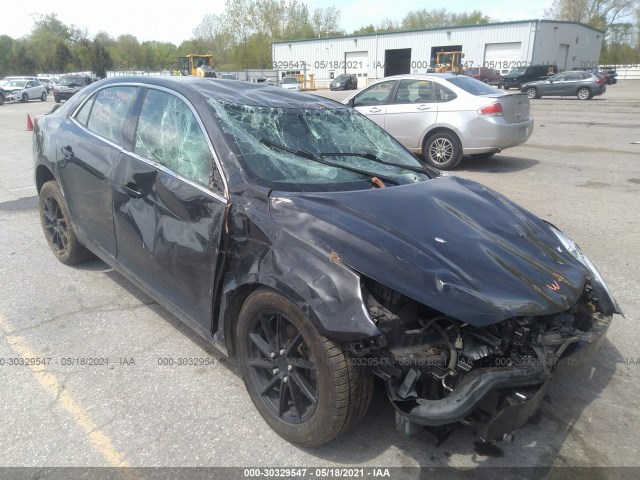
(517,76)
(69,85)
(290,83)
(18,77)
(262,79)
(24,90)
(486,75)
(445,116)
(316,251)
(228,76)
(48,83)
(583,85)
(345,81)
(613,75)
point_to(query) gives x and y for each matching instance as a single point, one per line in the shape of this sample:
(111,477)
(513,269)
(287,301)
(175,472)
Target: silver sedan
(445,116)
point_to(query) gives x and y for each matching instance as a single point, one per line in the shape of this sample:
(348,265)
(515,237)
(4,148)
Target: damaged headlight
(575,251)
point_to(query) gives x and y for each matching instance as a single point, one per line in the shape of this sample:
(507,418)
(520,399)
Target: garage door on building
(357,63)
(503,56)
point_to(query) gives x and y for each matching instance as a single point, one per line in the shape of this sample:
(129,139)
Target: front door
(373,101)
(168,221)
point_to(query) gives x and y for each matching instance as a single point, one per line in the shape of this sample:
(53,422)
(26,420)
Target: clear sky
(174,22)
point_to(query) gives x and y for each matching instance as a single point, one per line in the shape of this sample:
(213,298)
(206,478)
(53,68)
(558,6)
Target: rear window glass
(109,112)
(471,85)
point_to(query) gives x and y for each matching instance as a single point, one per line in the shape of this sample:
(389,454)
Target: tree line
(241,37)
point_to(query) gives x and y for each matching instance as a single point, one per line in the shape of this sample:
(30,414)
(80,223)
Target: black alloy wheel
(306,387)
(56,224)
(282,367)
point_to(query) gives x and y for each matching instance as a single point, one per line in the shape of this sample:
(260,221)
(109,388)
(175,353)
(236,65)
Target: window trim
(225,193)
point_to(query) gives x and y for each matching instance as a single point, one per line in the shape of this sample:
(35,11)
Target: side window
(109,112)
(83,114)
(443,94)
(31,84)
(168,133)
(379,94)
(415,91)
(561,77)
(573,76)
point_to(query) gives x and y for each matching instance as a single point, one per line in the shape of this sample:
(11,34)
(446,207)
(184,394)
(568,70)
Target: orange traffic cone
(29,124)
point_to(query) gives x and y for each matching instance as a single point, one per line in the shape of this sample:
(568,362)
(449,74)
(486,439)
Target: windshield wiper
(373,158)
(308,155)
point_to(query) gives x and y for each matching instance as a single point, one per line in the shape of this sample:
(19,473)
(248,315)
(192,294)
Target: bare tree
(326,21)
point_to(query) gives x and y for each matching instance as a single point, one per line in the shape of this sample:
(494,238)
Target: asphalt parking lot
(579,170)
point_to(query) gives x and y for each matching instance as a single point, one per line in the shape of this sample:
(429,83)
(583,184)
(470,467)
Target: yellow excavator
(449,62)
(196,66)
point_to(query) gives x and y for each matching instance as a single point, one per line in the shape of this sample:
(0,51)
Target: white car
(24,90)
(290,83)
(445,116)
(48,83)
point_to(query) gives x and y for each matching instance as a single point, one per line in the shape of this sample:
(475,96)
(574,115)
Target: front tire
(56,98)
(56,224)
(305,386)
(532,93)
(443,150)
(584,94)
(43,97)
(25,98)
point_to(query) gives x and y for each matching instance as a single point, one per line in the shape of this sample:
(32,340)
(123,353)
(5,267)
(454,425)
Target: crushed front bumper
(498,400)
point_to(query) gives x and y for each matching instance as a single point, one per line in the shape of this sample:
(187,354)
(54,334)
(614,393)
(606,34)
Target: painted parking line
(99,440)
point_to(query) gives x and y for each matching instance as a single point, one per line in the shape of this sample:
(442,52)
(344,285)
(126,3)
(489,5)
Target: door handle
(67,152)
(375,110)
(132,190)
(424,107)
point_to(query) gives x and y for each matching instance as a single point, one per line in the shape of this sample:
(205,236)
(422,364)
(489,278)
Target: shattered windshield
(258,134)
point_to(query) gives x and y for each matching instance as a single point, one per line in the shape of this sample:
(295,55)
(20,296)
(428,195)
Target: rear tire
(56,98)
(584,94)
(56,224)
(305,386)
(43,97)
(443,151)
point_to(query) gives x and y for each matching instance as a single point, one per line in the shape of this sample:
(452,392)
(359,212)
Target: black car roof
(233,91)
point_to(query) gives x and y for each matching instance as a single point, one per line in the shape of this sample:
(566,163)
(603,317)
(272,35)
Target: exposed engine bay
(439,371)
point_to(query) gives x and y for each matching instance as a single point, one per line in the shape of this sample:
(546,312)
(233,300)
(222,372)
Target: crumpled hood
(449,243)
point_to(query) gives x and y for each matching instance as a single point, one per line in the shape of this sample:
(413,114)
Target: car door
(373,101)
(556,84)
(412,111)
(571,83)
(168,210)
(89,145)
(34,89)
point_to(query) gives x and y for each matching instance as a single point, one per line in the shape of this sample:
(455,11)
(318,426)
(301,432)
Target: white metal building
(500,46)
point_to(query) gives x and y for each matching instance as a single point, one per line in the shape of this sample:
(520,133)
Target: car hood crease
(449,243)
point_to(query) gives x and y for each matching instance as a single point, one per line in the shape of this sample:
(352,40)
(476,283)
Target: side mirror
(351,102)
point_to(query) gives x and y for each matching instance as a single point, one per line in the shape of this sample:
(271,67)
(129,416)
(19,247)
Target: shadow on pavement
(537,444)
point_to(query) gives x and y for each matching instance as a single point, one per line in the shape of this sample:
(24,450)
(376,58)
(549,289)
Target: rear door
(169,206)
(373,101)
(89,146)
(412,111)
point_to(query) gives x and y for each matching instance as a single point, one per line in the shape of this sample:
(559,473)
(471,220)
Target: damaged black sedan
(301,239)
